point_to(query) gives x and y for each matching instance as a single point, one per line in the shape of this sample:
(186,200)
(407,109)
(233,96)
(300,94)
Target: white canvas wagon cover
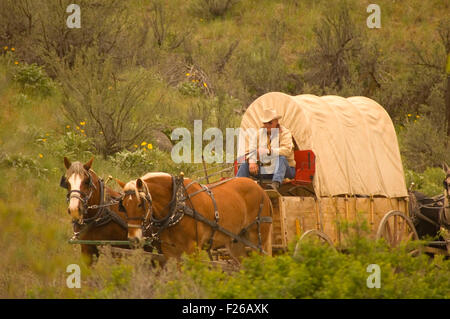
(353,139)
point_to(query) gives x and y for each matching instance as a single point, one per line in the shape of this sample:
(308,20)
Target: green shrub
(139,162)
(33,79)
(422,144)
(190,88)
(429,182)
(22,162)
(70,144)
(316,272)
(113,105)
(261,70)
(210,9)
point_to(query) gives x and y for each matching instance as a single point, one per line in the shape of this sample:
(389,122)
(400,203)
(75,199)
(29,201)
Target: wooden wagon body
(294,216)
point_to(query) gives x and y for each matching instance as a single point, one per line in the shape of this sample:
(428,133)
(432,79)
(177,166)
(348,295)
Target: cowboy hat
(269,115)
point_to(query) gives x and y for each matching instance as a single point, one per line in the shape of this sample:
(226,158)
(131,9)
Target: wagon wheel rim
(323,238)
(396,228)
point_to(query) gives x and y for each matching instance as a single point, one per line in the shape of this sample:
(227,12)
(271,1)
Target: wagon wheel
(396,229)
(313,234)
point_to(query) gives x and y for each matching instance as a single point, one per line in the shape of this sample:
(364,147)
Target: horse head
(447,179)
(136,203)
(80,181)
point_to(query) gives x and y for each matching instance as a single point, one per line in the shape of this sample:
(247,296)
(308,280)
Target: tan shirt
(285,147)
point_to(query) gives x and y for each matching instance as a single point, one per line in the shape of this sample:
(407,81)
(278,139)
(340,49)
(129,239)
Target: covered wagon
(348,167)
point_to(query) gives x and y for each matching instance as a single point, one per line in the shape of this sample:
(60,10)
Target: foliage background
(140,67)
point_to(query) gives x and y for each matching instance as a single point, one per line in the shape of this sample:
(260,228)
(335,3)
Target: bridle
(446,189)
(145,202)
(81,196)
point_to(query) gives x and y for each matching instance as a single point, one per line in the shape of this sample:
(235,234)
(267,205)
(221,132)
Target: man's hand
(253,167)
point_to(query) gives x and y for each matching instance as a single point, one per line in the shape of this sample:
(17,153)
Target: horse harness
(178,208)
(103,216)
(445,215)
(438,203)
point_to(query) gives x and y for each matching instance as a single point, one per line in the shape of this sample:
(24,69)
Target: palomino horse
(93,219)
(184,215)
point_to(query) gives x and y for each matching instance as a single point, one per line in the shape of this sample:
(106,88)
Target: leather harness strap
(179,209)
(103,215)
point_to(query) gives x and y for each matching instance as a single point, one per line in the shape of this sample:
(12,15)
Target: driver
(284,154)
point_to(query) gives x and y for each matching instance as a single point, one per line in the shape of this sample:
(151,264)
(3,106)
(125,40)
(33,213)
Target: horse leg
(88,252)
(266,235)
(237,251)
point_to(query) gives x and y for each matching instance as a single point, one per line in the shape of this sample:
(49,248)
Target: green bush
(139,162)
(190,89)
(429,182)
(70,144)
(22,162)
(422,144)
(33,79)
(210,9)
(112,104)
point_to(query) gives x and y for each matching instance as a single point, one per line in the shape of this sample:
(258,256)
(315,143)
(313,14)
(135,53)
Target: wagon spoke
(402,230)
(410,236)
(395,231)
(388,232)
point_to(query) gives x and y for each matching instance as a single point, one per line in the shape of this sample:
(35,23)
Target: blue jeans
(282,170)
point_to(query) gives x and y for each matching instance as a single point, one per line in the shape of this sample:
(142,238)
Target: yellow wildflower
(409,115)
(82,131)
(82,123)
(150,146)
(143,143)
(41,156)
(78,127)
(188,74)
(12,49)
(16,63)
(417,116)
(44,140)
(135,146)
(67,126)
(204,84)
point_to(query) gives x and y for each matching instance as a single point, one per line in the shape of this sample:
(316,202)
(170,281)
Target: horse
(431,214)
(184,214)
(93,207)
(445,216)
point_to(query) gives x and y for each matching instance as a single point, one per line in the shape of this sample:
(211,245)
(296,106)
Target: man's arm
(285,144)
